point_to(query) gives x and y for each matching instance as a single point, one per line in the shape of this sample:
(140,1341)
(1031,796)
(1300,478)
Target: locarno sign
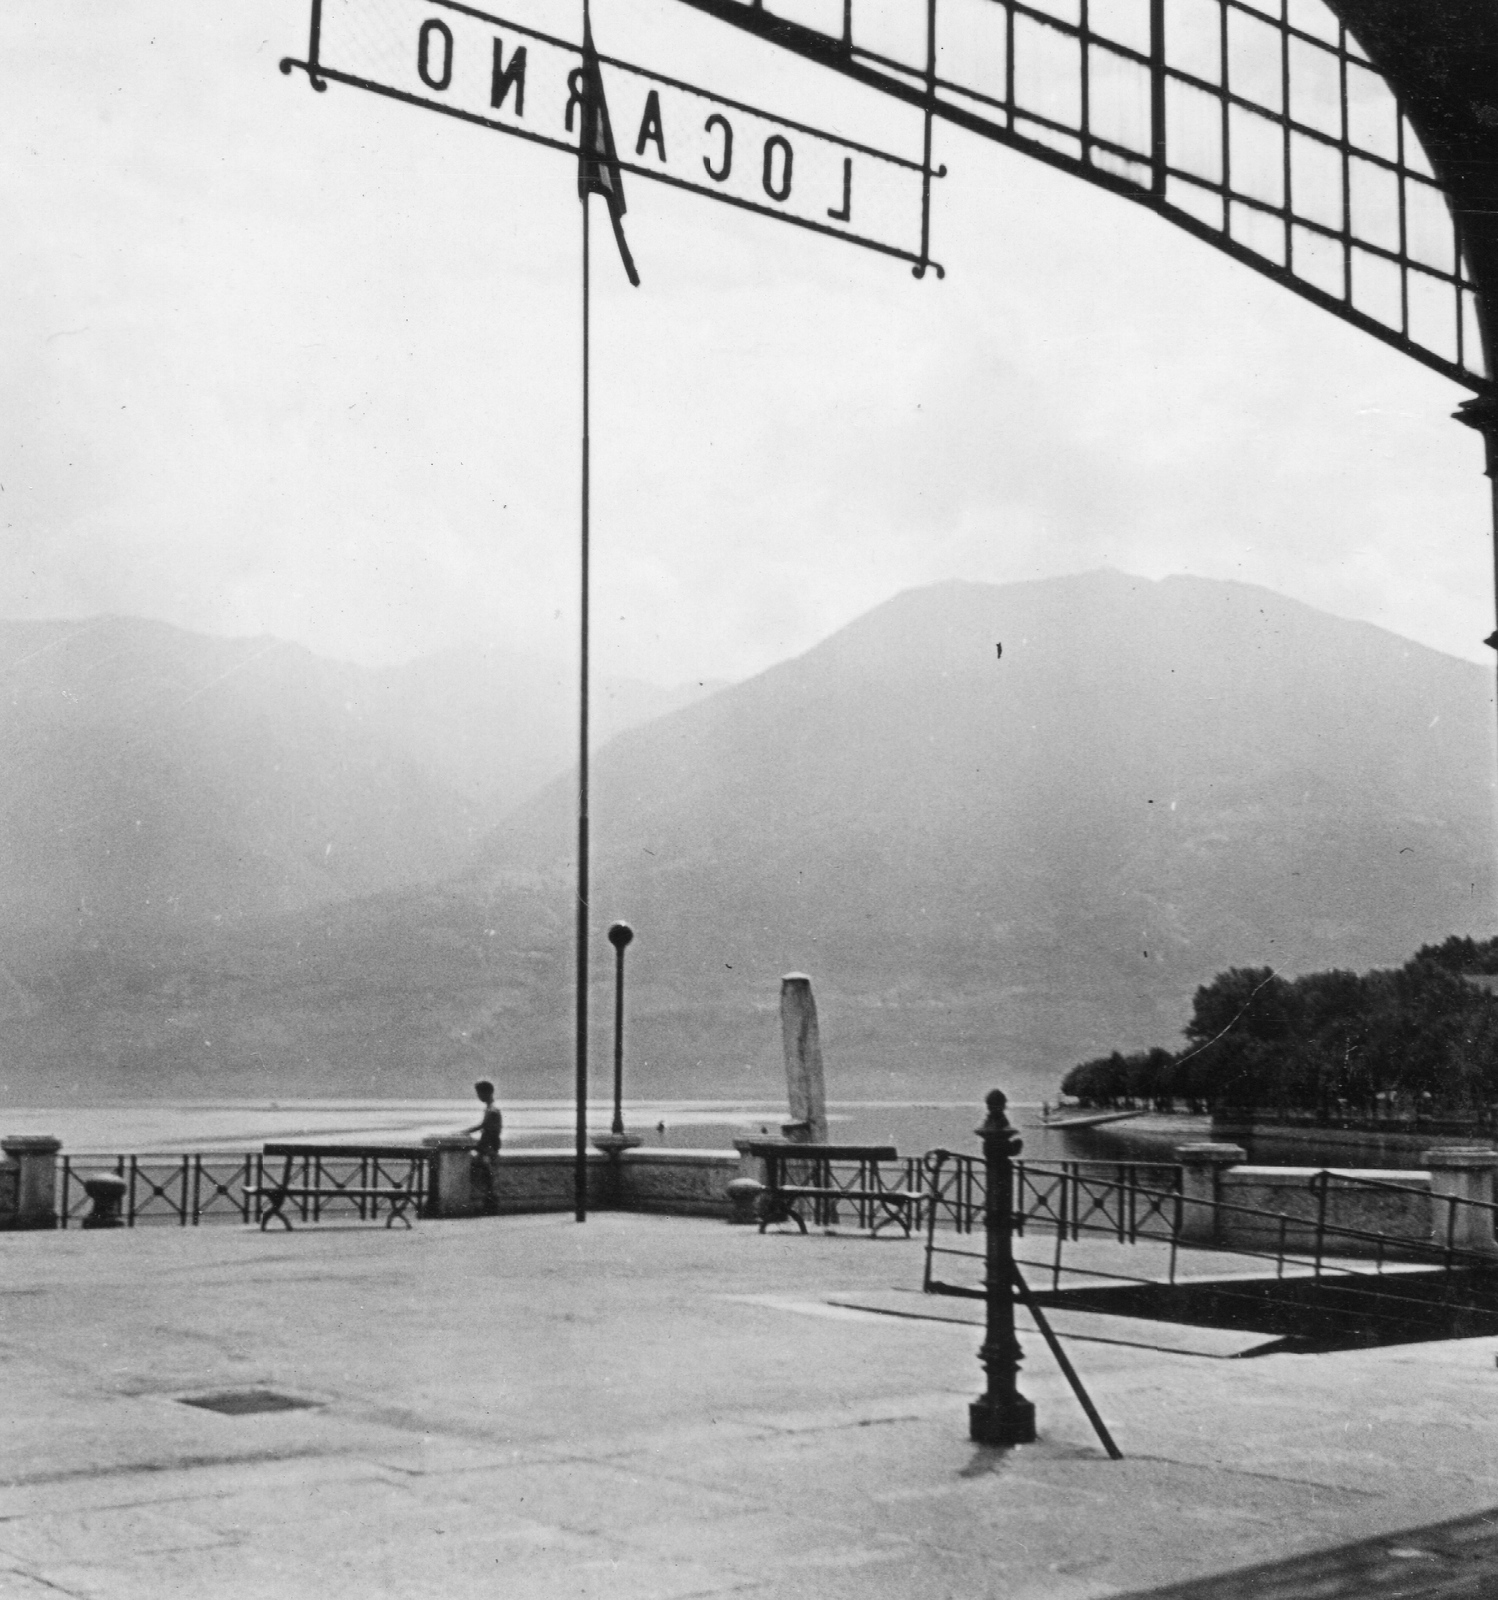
(483,69)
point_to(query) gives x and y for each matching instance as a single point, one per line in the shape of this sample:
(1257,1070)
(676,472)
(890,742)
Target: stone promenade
(661,1407)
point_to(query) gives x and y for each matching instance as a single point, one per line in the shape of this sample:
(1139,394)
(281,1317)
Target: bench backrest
(762,1149)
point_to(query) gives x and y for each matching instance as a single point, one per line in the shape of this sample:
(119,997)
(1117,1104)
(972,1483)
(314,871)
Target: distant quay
(1271,1140)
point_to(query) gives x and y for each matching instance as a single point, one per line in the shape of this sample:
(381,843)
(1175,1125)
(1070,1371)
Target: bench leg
(273,1209)
(894,1211)
(774,1209)
(398,1208)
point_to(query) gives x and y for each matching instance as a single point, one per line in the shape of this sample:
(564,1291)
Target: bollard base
(1000,1423)
(107,1191)
(743,1196)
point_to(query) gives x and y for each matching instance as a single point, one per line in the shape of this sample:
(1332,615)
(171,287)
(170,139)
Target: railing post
(1319,1182)
(1202,1166)
(1175,1232)
(1462,1177)
(1002,1415)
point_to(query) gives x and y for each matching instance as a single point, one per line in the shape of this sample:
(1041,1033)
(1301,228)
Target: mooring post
(1002,1415)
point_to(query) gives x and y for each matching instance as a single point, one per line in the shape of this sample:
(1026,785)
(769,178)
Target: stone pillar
(1202,1167)
(451,1186)
(1460,1173)
(803,1061)
(35,1158)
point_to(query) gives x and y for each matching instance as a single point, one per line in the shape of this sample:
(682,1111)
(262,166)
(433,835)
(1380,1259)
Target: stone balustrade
(680,1182)
(1225,1198)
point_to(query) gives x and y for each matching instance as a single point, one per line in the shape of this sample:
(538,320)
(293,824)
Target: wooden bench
(318,1186)
(785,1197)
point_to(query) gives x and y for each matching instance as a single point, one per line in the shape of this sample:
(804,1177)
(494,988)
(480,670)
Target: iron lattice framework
(1343,150)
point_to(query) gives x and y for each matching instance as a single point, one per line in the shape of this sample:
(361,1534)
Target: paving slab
(664,1407)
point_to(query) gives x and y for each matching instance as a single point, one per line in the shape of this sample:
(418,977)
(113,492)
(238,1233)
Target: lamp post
(1001,1415)
(620,934)
(616,1139)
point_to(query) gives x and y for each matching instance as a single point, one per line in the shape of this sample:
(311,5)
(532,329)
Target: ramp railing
(1365,1280)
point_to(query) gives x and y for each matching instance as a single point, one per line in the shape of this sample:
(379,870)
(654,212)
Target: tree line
(1336,1043)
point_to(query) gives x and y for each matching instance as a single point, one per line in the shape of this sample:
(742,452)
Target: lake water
(174,1128)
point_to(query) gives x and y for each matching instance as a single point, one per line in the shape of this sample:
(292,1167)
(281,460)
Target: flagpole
(580,1172)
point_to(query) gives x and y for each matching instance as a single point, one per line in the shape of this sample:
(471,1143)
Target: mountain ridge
(992,865)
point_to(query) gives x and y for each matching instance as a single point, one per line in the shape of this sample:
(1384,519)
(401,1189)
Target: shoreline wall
(1267,1143)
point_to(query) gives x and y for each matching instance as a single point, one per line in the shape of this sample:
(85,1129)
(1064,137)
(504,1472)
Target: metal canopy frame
(1322,145)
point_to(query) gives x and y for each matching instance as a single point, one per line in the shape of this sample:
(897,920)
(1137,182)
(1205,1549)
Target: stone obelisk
(803,1061)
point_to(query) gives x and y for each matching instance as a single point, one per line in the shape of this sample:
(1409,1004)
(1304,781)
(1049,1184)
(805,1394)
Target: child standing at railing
(490,1131)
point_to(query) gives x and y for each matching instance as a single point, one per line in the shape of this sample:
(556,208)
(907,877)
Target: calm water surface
(912,1127)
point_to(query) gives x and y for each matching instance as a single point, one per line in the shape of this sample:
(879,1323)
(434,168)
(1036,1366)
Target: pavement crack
(789,1429)
(1253,1472)
(124,1469)
(33,1576)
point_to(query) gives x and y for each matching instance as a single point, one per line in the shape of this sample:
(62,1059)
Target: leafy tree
(1418,1037)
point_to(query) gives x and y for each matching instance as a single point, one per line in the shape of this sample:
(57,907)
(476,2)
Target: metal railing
(1460,1214)
(849,1188)
(182,1189)
(333,1181)
(190,1190)
(1070,1200)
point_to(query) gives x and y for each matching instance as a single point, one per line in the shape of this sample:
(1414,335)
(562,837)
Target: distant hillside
(988,862)
(496,726)
(992,866)
(154,780)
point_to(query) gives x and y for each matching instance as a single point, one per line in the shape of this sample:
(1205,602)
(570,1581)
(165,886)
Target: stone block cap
(1211,1155)
(30,1144)
(1461,1155)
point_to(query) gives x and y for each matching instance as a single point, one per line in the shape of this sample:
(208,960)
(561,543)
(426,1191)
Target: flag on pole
(597,161)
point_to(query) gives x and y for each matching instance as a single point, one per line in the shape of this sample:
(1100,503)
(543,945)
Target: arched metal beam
(1440,57)
(1333,149)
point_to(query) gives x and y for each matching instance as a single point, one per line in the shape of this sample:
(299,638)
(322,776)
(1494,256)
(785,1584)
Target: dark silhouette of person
(490,1131)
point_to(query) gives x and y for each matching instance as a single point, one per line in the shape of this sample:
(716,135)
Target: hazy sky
(306,364)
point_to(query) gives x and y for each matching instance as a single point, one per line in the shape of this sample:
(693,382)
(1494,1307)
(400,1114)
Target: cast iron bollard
(743,1200)
(107,1191)
(1002,1415)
